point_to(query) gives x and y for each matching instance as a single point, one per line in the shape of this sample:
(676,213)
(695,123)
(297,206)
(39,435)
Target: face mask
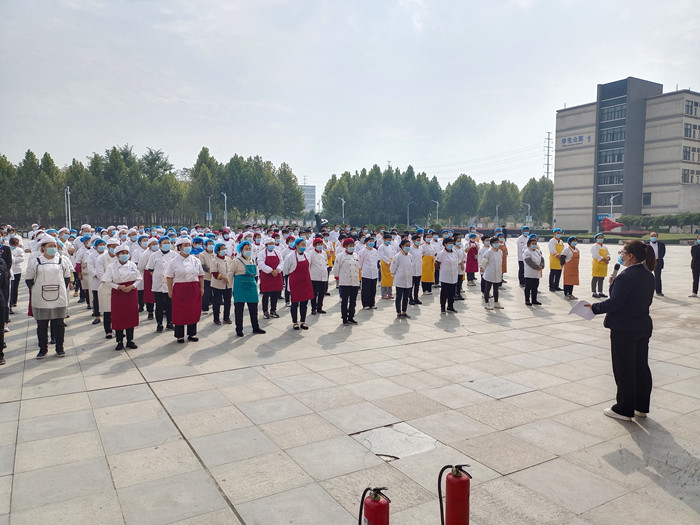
(270,248)
(172,237)
(459,243)
(558,235)
(187,250)
(619,259)
(35,228)
(526,233)
(574,243)
(449,247)
(417,242)
(133,238)
(165,248)
(337,229)
(495,245)
(143,245)
(141,230)
(277,241)
(226,236)
(290,244)
(257,240)
(154,248)
(105,236)
(319,248)
(371,243)
(652,239)
(364,231)
(223,252)
(123,257)
(302,249)
(123,236)
(246,254)
(600,240)
(350,249)
(406,249)
(697,241)
(209,248)
(64,237)
(387,243)
(111,251)
(435,237)
(444,236)
(51,251)
(533,247)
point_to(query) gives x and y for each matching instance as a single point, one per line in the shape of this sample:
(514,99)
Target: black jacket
(661,247)
(695,256)
(5,278)
(631,294)
(6,255)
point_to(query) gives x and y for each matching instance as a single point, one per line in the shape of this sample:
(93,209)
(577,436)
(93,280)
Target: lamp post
(407,215)
(343,201)
(497,205)
(69,221)
(529,216)
(437,212)
(225,211)
(612,218)
(209,214)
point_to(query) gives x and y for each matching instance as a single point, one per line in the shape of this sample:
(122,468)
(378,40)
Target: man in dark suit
(660,252)
(6,256)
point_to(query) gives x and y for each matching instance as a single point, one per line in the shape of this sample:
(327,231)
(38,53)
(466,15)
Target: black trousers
(447,295)
(208,296)
(630,354)
(597,282)
(402,295)
(320,288)
(427,287)
(521,273)
(568,289)
(77,285)
(437,277)
(129,335)
(95,304)
(15,289)
(287,295)
(301,306)
(696,278)
(458,285)
(554,277)
(221,297)
(2,329)
(107,322)
(163,307)
(348,300)
(487,290)
(180,330)
(416,287)
(271,299)
(471,276)
(657,276)
(85,295)
(252,311)
(531,285)
(58,330)
(369,292)
(141,303)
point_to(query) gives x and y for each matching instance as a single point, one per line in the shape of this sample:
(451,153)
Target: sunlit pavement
(272,429)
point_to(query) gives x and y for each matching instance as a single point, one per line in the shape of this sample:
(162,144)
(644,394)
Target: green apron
(245,289)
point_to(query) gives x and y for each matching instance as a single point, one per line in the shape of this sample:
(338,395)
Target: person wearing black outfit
(659,253)
(627,317)
(6,256)
(5,279)
(695,265)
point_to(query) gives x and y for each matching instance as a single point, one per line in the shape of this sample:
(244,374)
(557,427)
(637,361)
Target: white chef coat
(183,269)
(449,266)
(492,263)
(401,268)
(318,264)
(346,269)
(368,263)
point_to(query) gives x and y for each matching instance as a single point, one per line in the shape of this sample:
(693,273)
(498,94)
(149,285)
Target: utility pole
(225,211)
(343,201)
(209,213)
(612,217)
(528,219)
(437,212)
(407,215)
(68,212)
(548,147)
(497,205)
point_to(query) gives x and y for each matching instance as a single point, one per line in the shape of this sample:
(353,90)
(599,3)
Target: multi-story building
(635,150)
(309,197)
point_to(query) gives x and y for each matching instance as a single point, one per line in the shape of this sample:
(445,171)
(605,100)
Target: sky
(446,86)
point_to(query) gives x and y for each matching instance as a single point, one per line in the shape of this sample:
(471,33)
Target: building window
(686,152)
(646,199)
(610,156)
(688,107)
(688,131)
(612,134)
(613,112)
(685,176)
(610,177)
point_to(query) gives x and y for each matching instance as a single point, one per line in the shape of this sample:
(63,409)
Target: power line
(479,159)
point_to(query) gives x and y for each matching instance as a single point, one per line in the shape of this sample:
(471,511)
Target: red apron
(268,282)
(125,308)
(187,303)
(472,265)
(299,281)
(148,296)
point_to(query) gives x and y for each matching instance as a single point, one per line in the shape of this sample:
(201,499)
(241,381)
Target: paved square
(289,427)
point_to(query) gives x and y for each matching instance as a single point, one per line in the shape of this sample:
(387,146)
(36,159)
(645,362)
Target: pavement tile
(637,507)
(137,412)
(377,388)
(55,426)
(303,382)
(542,404)
(333,457)
(273,409)
(449,427)
(55,405)
(263,389)
(455,396)
(185,385)
(410,406)
(211,421)
(5,492)
(227,447)
(302,430)
(44,453)
(498,414)
(101,507)
(553,437)
(217,517)
(120,395)
(194,402)
(356,418)
(496,387)
(502,452)
(123,438)
(328,398)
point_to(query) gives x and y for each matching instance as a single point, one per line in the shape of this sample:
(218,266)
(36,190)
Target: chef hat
(347,241)
(85,226)
(291,238)
(297,241)
(526,227)
(46,239)
(242,244)
(111,227)
(556,230)
(164,238)
(123,248)
(132,230)
(218,246)
(269,240)
(152,240)
(532,236)
(572,238)
(113,240)
(318,240)
(64,230)
(50,231)
(211,236)
(472,235)
(182,240)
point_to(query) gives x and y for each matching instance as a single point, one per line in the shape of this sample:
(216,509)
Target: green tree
(461,199)
(292,196)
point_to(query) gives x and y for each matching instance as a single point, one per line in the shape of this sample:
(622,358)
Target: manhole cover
(396,441)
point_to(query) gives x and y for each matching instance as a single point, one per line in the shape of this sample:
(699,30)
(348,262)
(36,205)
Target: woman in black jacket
(627,317)
(695,265)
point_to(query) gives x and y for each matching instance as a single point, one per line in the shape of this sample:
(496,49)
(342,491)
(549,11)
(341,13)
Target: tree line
(121,187)
(392,197)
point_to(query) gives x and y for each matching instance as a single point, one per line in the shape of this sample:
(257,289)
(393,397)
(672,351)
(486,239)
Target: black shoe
(412,303)
(373,307)
(150,316)
(60,352)
(275,315)
(96,321)
(12,312)
(528,303)
(259,331)
(657,293)
(352,321)
(228,321)
(132,345)
(602,295)
(141,309)
(305,326)
(416,301)
(327,293)
(595,295)
(452,310)
(181,340)
(52,342)
(313,312)
(159,328)
(41,355)
(170,326)
(537,303)
(108,336)
(442,311)
(321,311)
(193,338)
(406,316)
(266,315)
(120,346)
(2,360)
(559,289)
(295,326)
(240,334)
(217,322)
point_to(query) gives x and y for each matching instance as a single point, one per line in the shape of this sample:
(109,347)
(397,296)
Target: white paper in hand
(582,310)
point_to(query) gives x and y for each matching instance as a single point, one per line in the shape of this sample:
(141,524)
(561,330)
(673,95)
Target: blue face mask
(165,248)
(123,257)
(246,254)
(495,245)
(302,249)
(449,247)
(154,248)
(350,249)
(459,243)
(51,251)
(574,243)
(619,259)
(533,247)
(653,239)
(371,243)
(186,250)
(123,236)
(697,241)
(406,249)
(111,251)
(210,248)
(270,248)
(223,252)
(387,243)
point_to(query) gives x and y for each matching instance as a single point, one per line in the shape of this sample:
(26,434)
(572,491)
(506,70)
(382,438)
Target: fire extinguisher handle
(378,492)
(459,467)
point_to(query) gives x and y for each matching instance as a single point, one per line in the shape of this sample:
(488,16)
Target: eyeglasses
(621,253)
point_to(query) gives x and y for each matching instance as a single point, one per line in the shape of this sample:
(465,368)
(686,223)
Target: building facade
(309,197)
(635,150)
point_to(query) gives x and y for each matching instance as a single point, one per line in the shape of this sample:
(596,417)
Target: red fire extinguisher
(457,488)
(375,506)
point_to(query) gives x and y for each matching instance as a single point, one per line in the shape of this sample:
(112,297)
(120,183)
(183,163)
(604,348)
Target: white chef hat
(122,248)
(152,240)
(113,240)
(182,240)
(46,239)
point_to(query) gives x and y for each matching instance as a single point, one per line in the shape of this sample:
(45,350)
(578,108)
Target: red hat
(239,238)
(318,240)
(348,240)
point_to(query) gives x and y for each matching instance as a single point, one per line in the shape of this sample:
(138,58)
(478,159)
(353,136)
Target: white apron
(104,292)
(49,296)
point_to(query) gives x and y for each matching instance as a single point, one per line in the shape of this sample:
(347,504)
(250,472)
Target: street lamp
(407,216)
(209,214)
(343,201)
(225,211)
(529,216)
(612,218)
(437,212)
(66,195)
(497,205)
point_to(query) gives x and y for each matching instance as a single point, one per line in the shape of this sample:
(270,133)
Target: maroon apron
(148,296)
(472,265)
(125,308)
(300,286)
(269,282)
(187,303)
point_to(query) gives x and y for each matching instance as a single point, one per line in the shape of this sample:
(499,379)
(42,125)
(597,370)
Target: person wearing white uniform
(185,280)
(347,271)
(521,246)
(148,297)
(318,264)
(447,263)
(122,278)
(98,248)
(48,276)
(369,259)
(104,292)
(491,265)
(156,265)
(401,269)
(417,254)
(533,259)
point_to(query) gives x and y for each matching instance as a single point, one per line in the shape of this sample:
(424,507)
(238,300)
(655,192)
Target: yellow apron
(428,269)
(554,263)
(600,268)
(331,258)
(387,278)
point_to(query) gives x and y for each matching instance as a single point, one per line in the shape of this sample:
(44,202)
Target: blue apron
(245,289)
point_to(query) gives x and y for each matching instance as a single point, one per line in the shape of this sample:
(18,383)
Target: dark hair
(642,252)
(448,240)
(14,241)
(530,241)
(404,241)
